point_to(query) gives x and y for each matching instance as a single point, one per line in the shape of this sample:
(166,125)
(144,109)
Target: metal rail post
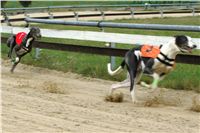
(50,14)
(102,15)
(161,13)
(76,16)
(193,12)
(112,58)
(27,23)
(132,13)
(26,14)
(6,19)
(37,53)
(146,6)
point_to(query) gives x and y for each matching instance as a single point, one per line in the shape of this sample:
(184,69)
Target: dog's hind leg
(123,84)
(138,75)
(133,65)
(17,60)
(10,44)
(126,82)
(132,85)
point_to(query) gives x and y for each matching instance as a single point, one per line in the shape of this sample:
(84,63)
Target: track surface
(29,107)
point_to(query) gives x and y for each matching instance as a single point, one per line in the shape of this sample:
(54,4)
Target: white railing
(98,36)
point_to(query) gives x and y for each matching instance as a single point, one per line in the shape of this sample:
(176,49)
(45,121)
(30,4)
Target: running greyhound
(151,60)
(21,44)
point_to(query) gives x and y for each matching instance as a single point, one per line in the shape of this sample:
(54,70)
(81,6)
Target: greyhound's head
(35,32)
(184,43)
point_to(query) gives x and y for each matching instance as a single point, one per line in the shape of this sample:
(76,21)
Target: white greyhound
(154,61)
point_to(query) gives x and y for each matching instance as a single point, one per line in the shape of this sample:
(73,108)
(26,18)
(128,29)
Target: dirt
(47,101)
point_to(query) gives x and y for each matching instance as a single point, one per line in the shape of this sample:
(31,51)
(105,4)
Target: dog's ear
(31,29)
(180,40)
(34,28)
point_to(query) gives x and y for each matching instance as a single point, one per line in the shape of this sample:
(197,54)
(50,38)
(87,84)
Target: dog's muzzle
(38,36)
(194,46)
(188,49)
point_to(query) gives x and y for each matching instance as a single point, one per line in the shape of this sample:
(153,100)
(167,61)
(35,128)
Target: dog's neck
(28,40)
(170,49)
(29,36)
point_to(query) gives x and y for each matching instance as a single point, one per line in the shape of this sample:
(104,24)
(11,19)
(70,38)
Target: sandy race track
(41,100)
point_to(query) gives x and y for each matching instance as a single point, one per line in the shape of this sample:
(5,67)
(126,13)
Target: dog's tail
(117,71)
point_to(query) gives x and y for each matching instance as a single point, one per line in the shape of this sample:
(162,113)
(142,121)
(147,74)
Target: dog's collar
(166,58)
(165,62)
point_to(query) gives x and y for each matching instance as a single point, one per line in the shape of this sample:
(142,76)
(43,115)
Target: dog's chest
(28,42)
(160,68)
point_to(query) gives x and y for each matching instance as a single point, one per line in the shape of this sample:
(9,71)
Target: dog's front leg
(156,79)
(133,97)
(144,84)
(154,84)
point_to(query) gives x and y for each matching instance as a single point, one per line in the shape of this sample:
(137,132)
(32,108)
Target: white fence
(98,36)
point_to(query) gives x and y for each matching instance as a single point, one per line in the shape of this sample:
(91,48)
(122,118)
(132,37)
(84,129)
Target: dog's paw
(145,84)
(135,102)
(153,88)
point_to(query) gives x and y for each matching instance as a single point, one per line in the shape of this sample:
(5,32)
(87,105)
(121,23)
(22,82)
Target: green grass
(183,77)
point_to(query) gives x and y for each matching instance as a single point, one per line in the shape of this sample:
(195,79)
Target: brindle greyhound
(156,67)
(21,44)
